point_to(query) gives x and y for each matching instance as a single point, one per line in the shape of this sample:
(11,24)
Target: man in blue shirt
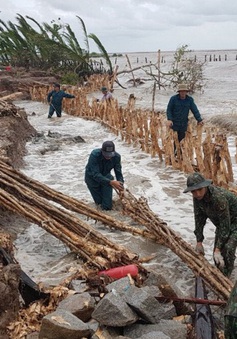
(178,109)
(98,178)
(55,98)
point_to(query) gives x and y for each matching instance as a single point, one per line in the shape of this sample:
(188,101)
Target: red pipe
(120,272)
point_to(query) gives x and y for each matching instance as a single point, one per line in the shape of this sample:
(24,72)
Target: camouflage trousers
(228,253)
(231,315)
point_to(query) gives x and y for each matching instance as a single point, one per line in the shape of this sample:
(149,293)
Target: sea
(46,259)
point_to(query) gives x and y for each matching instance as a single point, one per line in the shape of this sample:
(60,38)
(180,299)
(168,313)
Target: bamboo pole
(61,223)
(139,210)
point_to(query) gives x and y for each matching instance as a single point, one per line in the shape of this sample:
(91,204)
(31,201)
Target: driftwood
(28,198)
(13,96)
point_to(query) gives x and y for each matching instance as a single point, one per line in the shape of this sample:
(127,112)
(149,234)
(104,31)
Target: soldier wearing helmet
(220,206)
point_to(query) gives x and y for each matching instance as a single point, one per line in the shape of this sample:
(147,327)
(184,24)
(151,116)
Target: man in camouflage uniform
(220,206)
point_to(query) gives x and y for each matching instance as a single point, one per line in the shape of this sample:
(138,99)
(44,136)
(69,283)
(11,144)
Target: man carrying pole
(55,98)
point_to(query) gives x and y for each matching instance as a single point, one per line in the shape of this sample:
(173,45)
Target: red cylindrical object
(120,272)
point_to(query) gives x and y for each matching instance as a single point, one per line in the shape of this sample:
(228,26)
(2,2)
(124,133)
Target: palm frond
(85,34)
(102,50)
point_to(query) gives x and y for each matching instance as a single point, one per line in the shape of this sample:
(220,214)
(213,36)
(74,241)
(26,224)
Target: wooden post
(158,67)
(134,81)
(153,97)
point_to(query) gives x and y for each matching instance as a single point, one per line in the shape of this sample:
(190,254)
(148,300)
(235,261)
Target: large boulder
(81,305)
(62,324)
(113,311)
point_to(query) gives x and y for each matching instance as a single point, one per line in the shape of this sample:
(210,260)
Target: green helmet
(196,181)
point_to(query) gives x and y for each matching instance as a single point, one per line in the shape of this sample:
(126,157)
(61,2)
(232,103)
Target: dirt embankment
(15,128)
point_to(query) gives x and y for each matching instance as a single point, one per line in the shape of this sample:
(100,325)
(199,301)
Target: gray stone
(81,305)
(93,325)
(112,310)
(171,328)
(154,335)
(152,290)
(144,304)
(78,285)
(107,333)
(61,324)
(119,286)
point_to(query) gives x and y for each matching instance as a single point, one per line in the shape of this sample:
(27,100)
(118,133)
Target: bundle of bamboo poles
(32,200)
(139,210)
(18,195)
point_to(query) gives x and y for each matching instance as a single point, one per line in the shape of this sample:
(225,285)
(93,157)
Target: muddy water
(61,165)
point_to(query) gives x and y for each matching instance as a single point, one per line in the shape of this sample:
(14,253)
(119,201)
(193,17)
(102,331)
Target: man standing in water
(106,94)
(178,109)
(220,206)
(98,178)
(55,98)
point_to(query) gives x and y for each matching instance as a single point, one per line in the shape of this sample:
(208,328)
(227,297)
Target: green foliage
(102,50)
(70,78)
(185,69)
(49,46)
(117,55)
(95,55)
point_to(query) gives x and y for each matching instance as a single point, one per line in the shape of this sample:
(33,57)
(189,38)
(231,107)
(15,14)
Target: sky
(138,25)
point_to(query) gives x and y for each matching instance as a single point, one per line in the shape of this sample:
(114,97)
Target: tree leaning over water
(51,46)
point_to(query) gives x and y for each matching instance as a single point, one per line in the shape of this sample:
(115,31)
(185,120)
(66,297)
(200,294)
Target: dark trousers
(228,253)
(181,136)
(101,194)
(57,109)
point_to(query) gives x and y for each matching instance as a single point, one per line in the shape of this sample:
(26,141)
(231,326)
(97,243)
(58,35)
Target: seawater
(47,259)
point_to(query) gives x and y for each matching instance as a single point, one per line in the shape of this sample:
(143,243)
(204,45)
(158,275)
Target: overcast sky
(137,25)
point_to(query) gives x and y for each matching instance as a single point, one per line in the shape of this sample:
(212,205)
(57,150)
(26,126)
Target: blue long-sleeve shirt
(178,110)
(98,167)
(56,98)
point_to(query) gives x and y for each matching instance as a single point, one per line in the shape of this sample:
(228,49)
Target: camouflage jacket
(220,206)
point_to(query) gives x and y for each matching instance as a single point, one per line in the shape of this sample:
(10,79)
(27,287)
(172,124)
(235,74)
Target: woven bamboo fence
(204,149)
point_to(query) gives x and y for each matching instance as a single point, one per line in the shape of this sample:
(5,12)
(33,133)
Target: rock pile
(126,311)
